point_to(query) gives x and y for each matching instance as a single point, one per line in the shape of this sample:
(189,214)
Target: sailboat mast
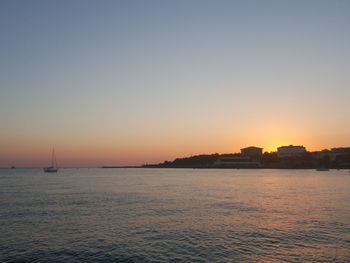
(55,160)
(52,155)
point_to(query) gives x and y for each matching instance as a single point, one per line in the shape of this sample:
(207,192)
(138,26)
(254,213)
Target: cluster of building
(290,156)
(286,157)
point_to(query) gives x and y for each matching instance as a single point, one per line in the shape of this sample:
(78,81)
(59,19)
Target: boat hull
(50,170)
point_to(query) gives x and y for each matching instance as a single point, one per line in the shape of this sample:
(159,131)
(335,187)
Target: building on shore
(252,152)
(321,154)
(290,151)
(340,157)
(339,153)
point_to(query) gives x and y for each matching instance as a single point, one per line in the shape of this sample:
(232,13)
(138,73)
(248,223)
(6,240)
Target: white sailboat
(54,167)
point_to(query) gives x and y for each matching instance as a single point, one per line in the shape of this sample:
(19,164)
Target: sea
(174,215)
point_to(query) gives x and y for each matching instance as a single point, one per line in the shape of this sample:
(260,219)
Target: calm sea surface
(179,215)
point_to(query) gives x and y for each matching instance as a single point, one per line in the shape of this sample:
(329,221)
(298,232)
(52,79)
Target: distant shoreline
(118,167)
(192,168)
(214,168)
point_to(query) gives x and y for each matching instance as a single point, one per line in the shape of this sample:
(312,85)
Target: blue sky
(158,79)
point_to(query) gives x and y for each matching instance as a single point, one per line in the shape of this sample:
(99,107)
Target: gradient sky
(132,82)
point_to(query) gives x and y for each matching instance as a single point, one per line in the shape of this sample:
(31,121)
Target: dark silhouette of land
(125,166)
(286,157)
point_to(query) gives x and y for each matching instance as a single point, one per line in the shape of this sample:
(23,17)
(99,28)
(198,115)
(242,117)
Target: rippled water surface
(162,215)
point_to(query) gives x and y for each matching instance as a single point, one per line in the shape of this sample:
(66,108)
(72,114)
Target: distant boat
(322,169)
(54,167)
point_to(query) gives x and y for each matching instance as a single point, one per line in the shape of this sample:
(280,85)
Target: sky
(134,82)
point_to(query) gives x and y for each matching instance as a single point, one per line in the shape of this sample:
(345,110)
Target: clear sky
(132,82)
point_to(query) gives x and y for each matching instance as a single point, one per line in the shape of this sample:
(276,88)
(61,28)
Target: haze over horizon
(132,82)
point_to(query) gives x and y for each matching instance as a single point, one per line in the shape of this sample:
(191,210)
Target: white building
(339,152)
(251,151)
(290,151)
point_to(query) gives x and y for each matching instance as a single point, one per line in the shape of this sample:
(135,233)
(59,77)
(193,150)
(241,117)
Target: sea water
(178,215)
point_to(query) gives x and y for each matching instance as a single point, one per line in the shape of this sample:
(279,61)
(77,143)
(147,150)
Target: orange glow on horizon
(90,152)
